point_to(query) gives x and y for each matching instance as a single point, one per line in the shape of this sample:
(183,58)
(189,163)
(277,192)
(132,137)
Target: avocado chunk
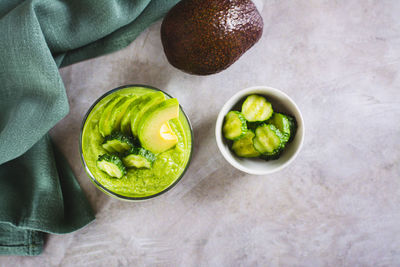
(205,37)
(141,109)
(154,131)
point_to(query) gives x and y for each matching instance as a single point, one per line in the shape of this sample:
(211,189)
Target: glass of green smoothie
(136,142)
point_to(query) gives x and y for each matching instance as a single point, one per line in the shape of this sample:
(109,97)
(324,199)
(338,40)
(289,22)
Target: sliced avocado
(179,132)
(154,132)
(125,125)
(156,98)
(107,126)
(117,113)
(106,114)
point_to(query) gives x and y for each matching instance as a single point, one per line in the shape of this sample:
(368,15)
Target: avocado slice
(154,131)
(125,125)
(103,125)
(206,37)
(117,113)
(141,109)
(110,119)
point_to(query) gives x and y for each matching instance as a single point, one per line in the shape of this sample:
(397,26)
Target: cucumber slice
(271,157)
(244,146)
(235,125)
(293,127)
(253,125)
(256,108)
(112,165)
(106,114)
(117,142)
(283,124)
(139,157)
(269,140)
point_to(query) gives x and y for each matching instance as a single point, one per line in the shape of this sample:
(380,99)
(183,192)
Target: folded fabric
(38,191)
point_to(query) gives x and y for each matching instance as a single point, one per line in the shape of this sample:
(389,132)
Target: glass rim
(89,173)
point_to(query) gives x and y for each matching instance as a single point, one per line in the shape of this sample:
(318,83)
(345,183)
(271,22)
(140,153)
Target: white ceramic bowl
(280,102)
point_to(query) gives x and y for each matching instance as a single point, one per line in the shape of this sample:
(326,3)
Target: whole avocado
(207,36)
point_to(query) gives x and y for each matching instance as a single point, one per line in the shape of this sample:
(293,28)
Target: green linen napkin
(38,191)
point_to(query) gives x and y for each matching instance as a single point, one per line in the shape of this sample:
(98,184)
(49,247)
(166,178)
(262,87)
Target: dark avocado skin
(207,36)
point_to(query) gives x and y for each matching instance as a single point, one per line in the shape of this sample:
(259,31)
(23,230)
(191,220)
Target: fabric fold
(38,191)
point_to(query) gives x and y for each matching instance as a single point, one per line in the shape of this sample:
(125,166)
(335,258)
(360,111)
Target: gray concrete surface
(337,204)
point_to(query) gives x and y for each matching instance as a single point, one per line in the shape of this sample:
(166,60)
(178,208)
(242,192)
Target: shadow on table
(209,175)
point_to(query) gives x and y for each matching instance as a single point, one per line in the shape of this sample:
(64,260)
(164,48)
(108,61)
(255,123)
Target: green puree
(166,169)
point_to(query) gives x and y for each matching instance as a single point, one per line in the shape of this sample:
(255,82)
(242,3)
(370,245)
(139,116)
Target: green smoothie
(167,167)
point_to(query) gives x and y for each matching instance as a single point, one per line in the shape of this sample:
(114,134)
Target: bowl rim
(229,104)
(91,176)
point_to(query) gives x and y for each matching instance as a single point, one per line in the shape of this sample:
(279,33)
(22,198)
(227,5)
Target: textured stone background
(338,204)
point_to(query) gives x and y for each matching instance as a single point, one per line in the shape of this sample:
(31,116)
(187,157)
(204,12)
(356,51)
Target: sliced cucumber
(293,127)
(112,165)
(244,146)
(139,157)
(271,157)
(117,142)
(256,108)
(269,140)
(106,114)
(235,125)
(283,124)
(253,125)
